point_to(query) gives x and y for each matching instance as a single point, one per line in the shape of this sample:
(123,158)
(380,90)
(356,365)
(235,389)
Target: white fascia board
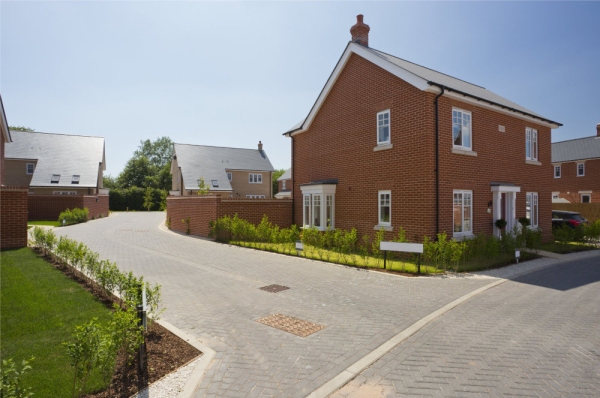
(401,73)
(483,104)
(505,188)
(327,189)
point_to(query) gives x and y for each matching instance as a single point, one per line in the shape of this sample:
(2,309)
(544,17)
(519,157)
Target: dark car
(569,218)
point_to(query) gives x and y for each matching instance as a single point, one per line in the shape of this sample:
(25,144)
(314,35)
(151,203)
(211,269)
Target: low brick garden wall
(49,207)
(13,217)
(201,210)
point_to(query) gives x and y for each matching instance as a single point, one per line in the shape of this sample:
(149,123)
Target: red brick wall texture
(13,218)
(203,209)
(49,207)
(341,138)
(569,184)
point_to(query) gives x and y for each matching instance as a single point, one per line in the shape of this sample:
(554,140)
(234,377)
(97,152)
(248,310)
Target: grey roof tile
(211,163)
(66,155)
(577,149)
(286,176)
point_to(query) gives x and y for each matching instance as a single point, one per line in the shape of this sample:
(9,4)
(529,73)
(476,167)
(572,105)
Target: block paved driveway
(211,291)
(535,336)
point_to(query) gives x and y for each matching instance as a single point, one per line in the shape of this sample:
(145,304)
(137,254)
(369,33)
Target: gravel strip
(170,385)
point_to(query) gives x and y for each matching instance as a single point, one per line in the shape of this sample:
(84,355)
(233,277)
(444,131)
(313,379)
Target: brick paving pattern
(212,291)
(536,336)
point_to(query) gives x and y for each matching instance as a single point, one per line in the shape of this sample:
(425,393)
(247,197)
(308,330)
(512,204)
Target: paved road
(537,336)
(212,291)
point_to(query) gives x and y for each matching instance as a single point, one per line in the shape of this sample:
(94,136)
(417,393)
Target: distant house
(55,164)
(389,143)
(576,170)
(59,171)
(284,185)
(229,172)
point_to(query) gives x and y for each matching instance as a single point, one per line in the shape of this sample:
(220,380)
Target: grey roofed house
(211,163)
(59,154)
(577,149)
(286,176)
(423,78)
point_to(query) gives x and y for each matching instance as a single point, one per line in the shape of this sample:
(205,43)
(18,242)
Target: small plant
(74,216)
(500,223)
(203,188)
(525,222)
(168,222)
(186,221)
(10,379)
(149,198)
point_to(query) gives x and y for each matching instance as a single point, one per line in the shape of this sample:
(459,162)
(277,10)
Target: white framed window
(462,212)
(30,168)
(586,198)
(64,193)
(230,176)
(255,196)
(555,195)
(318,206)
(581,169)
(531,144)
(214,183)
(557,170)
(254,178)
(461,129)
(531,208)
(55,179)
(385,208)
(75,179)
(383,127)
(283,184)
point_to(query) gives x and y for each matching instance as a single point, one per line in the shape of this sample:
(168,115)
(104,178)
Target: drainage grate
(291,325)
(274,288)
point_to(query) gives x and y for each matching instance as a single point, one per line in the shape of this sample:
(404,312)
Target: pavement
(212,291)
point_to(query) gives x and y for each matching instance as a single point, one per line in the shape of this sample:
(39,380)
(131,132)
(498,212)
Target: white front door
(506,208)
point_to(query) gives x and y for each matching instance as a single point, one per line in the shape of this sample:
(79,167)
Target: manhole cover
(274,288)
(291,325)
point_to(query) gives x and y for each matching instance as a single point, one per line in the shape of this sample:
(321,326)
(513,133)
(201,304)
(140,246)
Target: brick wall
(13,217)
(49,207)
(569,185)
(2,144)
(341,140)
(203,209)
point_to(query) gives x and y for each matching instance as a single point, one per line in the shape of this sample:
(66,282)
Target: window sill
(534,162)
(387,228)
(463,237)
(464,152)
(383,147)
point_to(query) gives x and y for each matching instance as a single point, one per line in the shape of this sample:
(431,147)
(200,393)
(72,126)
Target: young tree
(149,198)
(203,188)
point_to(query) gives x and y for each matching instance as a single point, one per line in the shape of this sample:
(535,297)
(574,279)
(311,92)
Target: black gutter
(437,163)
(293,181)
(493,103)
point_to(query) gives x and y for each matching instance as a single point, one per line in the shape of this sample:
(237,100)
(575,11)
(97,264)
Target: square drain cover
(291,325)
(274,288)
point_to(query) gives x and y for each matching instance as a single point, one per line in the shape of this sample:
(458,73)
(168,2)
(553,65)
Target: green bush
(134,198)
(11,385)
(75,216)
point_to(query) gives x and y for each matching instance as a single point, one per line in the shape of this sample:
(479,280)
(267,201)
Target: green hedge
(74,216)
(133,199)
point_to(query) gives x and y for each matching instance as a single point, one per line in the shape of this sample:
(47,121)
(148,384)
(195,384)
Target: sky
(233,73)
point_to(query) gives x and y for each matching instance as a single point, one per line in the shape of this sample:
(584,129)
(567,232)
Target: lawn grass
(562,248)
(44,223)
(40,308)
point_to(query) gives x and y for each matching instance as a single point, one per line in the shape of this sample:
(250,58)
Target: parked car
(569,218)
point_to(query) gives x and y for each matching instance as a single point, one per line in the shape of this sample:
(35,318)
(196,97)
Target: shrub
(133,199)
(11,385)
(75,216)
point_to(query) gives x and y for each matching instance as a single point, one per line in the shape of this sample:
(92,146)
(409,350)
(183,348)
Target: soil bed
(165,352)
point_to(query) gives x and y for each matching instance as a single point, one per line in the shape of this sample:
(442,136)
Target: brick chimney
(598,129)
(360,31)
(260,145)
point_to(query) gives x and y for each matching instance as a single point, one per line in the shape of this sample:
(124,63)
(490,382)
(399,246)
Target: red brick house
(576,169)
(389,143)
(284,185)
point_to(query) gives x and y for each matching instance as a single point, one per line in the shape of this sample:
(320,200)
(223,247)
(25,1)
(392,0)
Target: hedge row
(133,199)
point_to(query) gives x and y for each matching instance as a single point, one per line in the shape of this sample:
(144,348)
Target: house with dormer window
(229,172)
(389,143)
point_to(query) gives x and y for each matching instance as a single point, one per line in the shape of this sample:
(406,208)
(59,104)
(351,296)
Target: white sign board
(401,247)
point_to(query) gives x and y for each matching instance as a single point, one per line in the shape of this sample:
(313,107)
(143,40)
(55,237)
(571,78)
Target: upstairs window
(229,176)
(30,168)
(55,179)
(557,171)
(283,185)
(461,129)
(531,144)
(255,178)
(214,183)
(581,169)
(383,127)
(75,179)
(531,208)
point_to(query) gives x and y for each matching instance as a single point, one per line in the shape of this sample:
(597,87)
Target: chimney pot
(360,31)
(598,129)
(260,145)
